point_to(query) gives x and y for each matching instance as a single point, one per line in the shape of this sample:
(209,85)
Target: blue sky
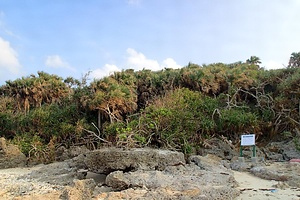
(72,37)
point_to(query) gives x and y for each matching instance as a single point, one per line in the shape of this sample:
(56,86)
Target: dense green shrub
(6,125)
(183,119)
(171,108)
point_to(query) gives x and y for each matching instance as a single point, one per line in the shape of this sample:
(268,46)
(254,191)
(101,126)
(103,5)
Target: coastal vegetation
(178,109)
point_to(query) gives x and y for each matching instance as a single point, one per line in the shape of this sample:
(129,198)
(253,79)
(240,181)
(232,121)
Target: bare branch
(97,136)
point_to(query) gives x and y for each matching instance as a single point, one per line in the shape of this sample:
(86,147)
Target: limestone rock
(83,189)
(63,153)
(59,173)
(268,174)
(209,162)
(281,151)
(240,166)
(105,161)
(10,155)
(117,180)
(204,193)
(219,148)
(175,182)
(125,194)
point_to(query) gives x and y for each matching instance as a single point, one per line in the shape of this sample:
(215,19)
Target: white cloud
(271,64)
(170,63)
(8,59)
(134,60)
(104,71)
(55,61)
(138,61)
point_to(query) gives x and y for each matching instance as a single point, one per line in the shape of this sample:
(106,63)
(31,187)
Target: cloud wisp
(4,29)
(137,61)
(106,70)
(55,61)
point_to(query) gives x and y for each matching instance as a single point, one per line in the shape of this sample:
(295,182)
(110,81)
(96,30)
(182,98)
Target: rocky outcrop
(288,173)
(157,174)
(105,161)
(281,151)
(175,182)
(268,174)
(140,174)
(220,148)
(210,162)
(82,189)
(169,193)
(60,173)
(10,155)
(62,153)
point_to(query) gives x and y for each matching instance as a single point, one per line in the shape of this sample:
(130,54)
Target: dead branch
(97,136)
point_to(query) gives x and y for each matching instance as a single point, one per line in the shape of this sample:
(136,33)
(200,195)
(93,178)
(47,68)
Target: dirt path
(256,188)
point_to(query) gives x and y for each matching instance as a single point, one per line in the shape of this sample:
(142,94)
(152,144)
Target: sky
(73,37)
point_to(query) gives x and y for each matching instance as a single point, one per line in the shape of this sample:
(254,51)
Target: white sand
(259,189)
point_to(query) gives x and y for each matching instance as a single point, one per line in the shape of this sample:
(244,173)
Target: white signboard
(248,140)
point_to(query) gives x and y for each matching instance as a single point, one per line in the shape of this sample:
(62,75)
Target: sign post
(248,140)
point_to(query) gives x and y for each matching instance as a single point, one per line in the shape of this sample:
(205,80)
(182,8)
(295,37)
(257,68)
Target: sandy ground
(14,187)
(256,188)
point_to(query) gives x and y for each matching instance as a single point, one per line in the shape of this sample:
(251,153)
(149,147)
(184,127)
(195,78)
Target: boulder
(62,153)
(209,162)
(219,148)
(117,181)
(175,182)
(105,161)
(82,189)
(10,155)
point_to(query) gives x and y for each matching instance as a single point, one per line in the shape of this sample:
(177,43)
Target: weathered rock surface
(82,189)
(175,182)
(60,173)
(210,193)
(285,172)
(10,155)
(219,148)
(16,184)
(62,153)
(281,151)
(210,162)
(105,161)
(140,174)
(268,174)
(204,178)
(240,166)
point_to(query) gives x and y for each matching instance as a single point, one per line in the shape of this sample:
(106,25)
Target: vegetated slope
(172,108)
